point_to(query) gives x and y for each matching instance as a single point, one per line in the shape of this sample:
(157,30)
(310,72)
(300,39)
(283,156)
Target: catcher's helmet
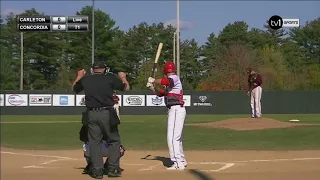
(169,67)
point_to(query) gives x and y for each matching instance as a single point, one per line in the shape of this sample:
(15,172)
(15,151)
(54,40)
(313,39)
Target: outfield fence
(138,102)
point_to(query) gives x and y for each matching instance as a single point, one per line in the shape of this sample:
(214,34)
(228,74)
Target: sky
(197,18)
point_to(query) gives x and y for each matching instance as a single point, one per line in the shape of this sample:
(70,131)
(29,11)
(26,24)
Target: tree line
(287,59)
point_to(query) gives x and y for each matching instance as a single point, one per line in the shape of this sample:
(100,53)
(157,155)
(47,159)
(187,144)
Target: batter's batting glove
(151,80)
(150,85)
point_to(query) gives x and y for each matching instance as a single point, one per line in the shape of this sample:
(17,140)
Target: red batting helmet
(169,67)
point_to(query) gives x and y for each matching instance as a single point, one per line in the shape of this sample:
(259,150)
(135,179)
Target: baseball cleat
(96,176)
(175,168)
(114,173)
(185,164)
(87,169)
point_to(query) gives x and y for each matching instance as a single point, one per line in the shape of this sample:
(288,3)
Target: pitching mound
(246,124)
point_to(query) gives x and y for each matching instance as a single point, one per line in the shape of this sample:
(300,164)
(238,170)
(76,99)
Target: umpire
(98,89)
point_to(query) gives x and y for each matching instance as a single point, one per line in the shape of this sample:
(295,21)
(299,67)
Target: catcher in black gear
(86,150)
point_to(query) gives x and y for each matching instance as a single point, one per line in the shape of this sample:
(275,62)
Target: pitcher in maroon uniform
(255,91)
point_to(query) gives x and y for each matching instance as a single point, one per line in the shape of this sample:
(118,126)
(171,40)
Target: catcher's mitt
(122,150)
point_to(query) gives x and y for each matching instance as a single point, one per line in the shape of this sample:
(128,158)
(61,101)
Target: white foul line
(59,158)
(33,166)
(132,164)
(150,168)
(37,155)
(226,166)
(230,164)
(263,160)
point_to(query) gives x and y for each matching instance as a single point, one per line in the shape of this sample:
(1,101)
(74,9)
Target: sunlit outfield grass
(149,132)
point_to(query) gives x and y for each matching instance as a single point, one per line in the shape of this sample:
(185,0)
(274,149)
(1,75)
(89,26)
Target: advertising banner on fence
(1,99)
(201,101)
(80,100)
(187,100)
(154,100)
(40,99)
(16,99)
(133,100)
(63,100)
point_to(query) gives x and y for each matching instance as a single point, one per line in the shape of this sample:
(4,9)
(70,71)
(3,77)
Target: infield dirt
(202,165)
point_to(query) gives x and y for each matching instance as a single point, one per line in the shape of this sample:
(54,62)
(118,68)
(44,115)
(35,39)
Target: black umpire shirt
(98,89)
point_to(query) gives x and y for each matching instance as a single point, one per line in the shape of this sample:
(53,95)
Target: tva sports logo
(276,22)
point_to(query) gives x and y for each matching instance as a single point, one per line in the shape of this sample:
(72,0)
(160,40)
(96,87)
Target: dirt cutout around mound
(247,124)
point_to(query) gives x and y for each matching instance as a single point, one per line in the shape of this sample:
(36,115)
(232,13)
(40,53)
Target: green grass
(151,134)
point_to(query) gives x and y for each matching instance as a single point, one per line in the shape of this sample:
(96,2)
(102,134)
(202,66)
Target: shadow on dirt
(200,175)
(165,161)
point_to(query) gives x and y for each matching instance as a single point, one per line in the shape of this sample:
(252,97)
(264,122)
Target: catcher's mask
(99,65)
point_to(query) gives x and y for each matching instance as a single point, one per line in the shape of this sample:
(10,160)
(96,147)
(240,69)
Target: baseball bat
(154,69)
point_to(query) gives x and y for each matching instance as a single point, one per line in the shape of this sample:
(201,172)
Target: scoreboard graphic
(53,23)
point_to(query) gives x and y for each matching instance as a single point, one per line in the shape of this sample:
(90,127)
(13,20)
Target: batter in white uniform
(173,95)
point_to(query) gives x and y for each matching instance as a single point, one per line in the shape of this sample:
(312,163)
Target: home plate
(294,120)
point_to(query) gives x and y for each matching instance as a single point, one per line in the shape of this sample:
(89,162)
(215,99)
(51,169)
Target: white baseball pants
(176,117)
(255,102)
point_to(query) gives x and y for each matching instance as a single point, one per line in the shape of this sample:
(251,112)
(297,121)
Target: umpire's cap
(99,65)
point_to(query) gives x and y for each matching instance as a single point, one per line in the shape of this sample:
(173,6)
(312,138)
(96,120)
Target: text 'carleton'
(32,20)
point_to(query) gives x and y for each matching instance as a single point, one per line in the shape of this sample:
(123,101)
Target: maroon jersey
(115,99)
(254,80)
